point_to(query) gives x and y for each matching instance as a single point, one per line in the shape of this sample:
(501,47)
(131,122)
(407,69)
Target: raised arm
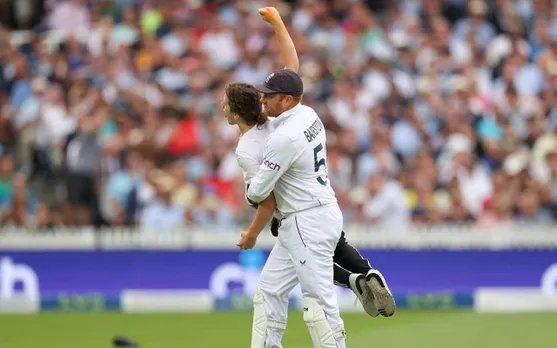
(286,45)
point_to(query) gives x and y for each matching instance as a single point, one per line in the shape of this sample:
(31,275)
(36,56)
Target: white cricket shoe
(383,299)
(363,293)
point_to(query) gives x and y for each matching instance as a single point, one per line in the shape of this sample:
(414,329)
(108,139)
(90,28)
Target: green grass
(232,330)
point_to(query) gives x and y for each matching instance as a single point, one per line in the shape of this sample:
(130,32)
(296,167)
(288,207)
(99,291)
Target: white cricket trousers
(303,253)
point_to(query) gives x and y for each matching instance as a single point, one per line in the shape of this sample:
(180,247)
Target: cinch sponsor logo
(12,274)
(271,165)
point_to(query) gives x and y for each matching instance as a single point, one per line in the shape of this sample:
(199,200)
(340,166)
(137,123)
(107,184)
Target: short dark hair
(244,100)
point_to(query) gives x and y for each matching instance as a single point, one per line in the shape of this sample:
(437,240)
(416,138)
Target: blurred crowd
(437,111)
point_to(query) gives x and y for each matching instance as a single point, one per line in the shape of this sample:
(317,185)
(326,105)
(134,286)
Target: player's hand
(270,15)
(246,242)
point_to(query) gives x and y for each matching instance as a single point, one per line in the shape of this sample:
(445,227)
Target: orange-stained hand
(270,15)
(246,242)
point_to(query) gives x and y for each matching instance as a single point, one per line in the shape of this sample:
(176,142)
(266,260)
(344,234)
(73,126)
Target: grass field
(232,330)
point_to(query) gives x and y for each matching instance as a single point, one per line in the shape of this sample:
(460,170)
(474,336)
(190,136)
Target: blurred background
(120,191)
(436,111)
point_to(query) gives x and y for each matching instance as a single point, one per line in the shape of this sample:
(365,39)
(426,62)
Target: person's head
(500,180)
(241,105)
(502,205)
(39,85)
(42,214)
(177,170)
(55,94)
(112,145)
(133,161)
(529,203)
(541,29)
(165,186)
(6,166)
(19,182)
(463,158)
(282,90)
(477,10)
(129,15)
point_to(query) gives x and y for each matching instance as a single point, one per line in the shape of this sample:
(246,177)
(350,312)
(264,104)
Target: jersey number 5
(319,163)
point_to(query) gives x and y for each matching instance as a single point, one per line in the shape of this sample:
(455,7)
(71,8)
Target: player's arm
(263,215)
(265,209)
(286,45)
(278,156)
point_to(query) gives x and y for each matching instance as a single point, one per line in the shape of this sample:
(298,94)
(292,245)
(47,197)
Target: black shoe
(123,342)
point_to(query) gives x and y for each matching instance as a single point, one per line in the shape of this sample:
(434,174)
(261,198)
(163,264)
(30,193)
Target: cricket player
(241,107)
(294,174)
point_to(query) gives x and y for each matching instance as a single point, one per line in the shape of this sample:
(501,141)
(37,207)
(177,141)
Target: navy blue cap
(284,81)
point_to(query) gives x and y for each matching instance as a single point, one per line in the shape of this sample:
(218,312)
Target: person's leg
(270,303)
(310,238)
(341,276)
(368,284)
(25,149)
(89,200)
(350,258)
(355,280)
(73,194)
(348,261)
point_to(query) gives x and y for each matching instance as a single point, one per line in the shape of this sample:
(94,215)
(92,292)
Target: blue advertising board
(62,278)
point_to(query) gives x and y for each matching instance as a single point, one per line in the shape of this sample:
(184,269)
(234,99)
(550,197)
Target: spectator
(387,206)
(55,124)
(119,186)
(530,210)
(185,192)
(497,213)
(18,75)
(436,111)
(21,204)
(6,176)
(25,122)
(459,214)
(162,214)
(70,16)
(42,219)
(473,178)
(82,154)
(475,24)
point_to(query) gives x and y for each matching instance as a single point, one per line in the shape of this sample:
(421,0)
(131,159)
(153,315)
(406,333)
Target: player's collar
(282,117)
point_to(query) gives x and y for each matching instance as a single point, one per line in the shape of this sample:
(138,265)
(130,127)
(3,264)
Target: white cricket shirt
(294,163)
(249,151)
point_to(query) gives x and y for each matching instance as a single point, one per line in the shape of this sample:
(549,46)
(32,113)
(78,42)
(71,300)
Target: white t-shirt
(250,150)
(55,125)
(294,163)
(389,207)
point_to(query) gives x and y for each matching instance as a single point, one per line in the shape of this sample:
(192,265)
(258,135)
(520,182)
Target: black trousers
(347,259)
